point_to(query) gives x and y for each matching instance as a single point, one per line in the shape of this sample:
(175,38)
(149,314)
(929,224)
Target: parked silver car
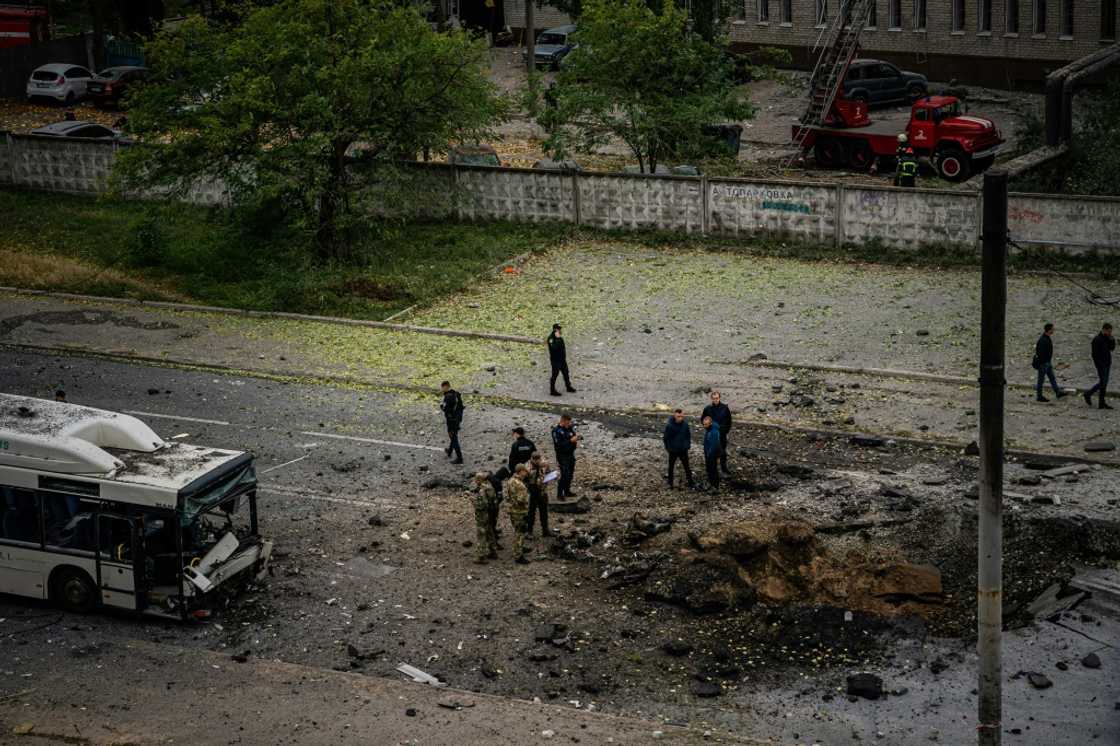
(58,81)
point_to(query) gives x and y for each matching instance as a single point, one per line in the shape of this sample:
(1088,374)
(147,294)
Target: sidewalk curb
(589,411)
(168,305)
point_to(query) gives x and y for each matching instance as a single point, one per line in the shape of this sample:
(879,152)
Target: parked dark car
(552,46)
(107,87)
(71,129)
(878,82)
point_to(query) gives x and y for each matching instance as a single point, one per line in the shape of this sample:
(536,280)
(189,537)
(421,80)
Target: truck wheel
(860,156)
(73,590)
(953,164)
(829,153)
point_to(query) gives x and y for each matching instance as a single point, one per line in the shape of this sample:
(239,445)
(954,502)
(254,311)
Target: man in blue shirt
(565,441)
(712,450)
(678,440)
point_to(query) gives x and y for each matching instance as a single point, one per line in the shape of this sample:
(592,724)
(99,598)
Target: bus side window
(20,519)
(68,521)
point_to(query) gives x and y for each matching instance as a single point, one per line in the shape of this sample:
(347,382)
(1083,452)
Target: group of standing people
(1100,349)
(523,485)
(716,421)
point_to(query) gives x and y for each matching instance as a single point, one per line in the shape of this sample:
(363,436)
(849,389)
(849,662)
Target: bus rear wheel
(73,590)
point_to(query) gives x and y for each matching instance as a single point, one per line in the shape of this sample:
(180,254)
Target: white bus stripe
(372,440)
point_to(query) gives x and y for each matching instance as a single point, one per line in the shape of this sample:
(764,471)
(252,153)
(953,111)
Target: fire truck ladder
(837,45)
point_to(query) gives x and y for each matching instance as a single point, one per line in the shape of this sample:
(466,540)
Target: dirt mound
(737,565)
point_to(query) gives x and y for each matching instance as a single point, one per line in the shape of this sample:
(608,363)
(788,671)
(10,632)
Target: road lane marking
(291,492)
(286,463)
(176,417)
(373,440)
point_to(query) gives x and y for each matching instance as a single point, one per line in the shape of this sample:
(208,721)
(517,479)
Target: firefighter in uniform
(906,170)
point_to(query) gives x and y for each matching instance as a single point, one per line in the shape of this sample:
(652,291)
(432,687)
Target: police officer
(517,502)
(558,358)
(538,494)
(565,441)
(721,415)
(452,406)
(521,449)
(485,502)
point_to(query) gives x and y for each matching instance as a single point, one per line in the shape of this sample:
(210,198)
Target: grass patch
(104,246)
(148,250)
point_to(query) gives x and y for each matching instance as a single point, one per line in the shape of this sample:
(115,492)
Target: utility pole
(530,36)
(989,577)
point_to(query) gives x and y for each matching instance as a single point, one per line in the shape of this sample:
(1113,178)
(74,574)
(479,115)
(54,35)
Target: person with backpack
(452,406)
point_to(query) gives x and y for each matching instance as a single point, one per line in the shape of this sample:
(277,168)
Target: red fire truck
(23,25)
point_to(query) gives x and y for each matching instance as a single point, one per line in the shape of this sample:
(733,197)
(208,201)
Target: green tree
(1096,146)
(642,77)
(306,104)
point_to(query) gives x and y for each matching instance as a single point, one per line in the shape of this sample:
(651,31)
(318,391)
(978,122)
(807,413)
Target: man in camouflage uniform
(485,500)
(538,494)
(517,500)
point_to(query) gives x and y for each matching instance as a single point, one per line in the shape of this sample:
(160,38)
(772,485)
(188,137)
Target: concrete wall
(1077,224)
(815,211)
(774,208)
(515,194)
(908,218)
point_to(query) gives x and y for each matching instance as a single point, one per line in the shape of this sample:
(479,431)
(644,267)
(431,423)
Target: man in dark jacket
(721,415)
(712,450)
(678,439)
(452,406)
(1103,345)
(521,450)
(1044,363)
(558,358)
(565,441)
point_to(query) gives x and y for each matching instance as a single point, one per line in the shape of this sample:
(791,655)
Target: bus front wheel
(72,589)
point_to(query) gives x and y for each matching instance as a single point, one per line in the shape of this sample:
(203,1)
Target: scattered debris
(866,685)
(640,528)
(443,482)
(1039,680)
(582,505)
(867,441)
(1100,446)
(1092,660)
(420,677)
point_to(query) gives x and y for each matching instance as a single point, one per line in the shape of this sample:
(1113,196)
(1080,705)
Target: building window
(1040,16)
(1013,16)
(984,19)
(873,17)
(896,13)
(822,12)
(787,12)
(919,15)
(764,11)
(1067,18)
(958,15)
(1108,20)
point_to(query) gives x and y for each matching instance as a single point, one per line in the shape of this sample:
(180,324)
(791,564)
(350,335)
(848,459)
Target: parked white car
(61,82)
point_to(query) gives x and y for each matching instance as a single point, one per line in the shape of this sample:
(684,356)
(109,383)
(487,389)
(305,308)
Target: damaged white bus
(96,510)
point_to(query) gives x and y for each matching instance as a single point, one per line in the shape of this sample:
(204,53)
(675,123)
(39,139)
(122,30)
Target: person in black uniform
(565,441)
(721,415)
(452,406)
(558,357)
(1103,345)
(1044,363)
(521,450)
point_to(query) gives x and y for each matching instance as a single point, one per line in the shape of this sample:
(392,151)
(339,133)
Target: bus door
(116,561)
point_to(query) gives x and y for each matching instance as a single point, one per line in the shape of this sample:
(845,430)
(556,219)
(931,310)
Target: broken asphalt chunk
(867,441)
(866,685)
(1039,681)
(1092,660)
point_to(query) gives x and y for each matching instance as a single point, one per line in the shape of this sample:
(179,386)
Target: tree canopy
(643,77)
(290,106)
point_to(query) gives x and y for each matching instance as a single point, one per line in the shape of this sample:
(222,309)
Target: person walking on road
(711,451)
(721,415)
(1103,345)
(678,440)
(517,502)
(485,502)
(558,358)
(538,495)
(452,406)
(521,449)
(1044,363)
(565,441)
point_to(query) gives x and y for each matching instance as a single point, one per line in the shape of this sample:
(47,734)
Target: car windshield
(43,75)
(557,39)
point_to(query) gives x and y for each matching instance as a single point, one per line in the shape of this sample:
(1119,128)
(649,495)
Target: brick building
(1003,43)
